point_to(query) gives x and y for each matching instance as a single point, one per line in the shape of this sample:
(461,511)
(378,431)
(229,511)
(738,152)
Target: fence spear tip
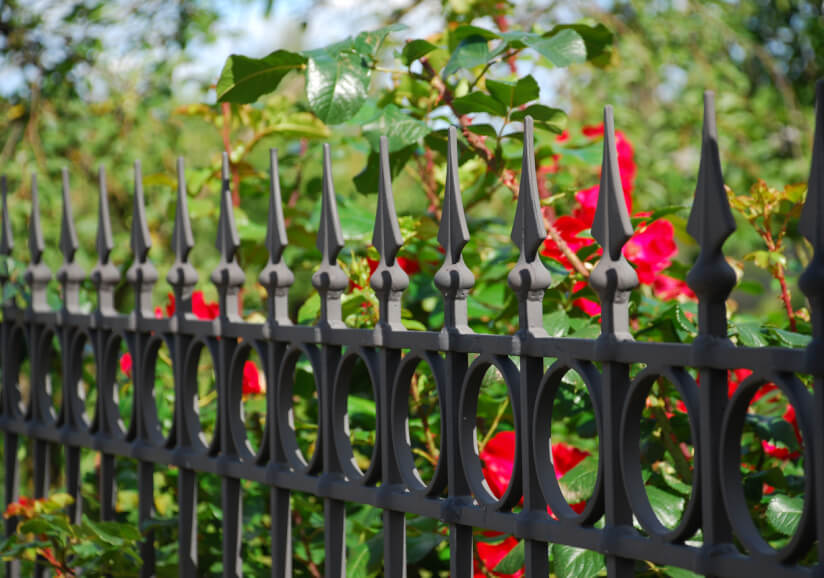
(141,239)
(386,236)
(182,238)
(68,234)
(330,236)
(453,234)
(36,244)
(104,243)
(6,237)
(710,221)
(528,231)
(276,239)
(811,224)
(227,241)
(611,226)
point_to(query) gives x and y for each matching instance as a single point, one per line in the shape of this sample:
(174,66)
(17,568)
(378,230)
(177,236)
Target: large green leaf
(577,483)
(478,102)
(369,42)
(552,119)
(784,513)
(598,40)
(572,562)
(245,79)
(514,94)
(336,84)
(667,507)
(561,47)
(471,52)
(513,561)
(416,49)
(366,181)
(400,129)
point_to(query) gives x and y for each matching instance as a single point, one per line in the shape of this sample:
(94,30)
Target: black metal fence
(457,493)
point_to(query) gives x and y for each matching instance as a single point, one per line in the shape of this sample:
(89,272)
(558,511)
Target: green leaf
(749,335)
(310,310)
(514,94)
(366,181)
(784,513)
(674,572)
(400,128)
(513,561)
(483,130)
(416,49)
(336,84)
(556,323)
(552,119)
(598,39)
(572,562)
(357,560)
(560,47)
(577,483)
(369,42)
(466,30)
(790,338)
(667,507)
(417,547)
(245,79)
(478,102)
(471,52)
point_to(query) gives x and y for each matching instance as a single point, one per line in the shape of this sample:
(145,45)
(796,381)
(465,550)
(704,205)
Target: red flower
(651,249)
(204,309)
(126,364)
(498,457)
(779,453)
(668,288)
(251,379)
(568,228)
(410,266)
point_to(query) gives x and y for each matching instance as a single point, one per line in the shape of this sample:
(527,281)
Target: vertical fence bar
(228,277)
(38,277)
(389,281)
(811,226)
(142,275)
(454,280)
(70,275)
(182,277)
(613,279)
(276,278)
(529,279)
(330,282)
(712,279)
(7,398)
(104,277)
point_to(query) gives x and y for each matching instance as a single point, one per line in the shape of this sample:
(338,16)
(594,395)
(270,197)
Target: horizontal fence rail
(457,493)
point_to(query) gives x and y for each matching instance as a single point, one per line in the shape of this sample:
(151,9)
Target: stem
(573,259)
(501,410)
(227,146)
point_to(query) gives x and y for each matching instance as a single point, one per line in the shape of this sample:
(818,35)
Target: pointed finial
(227,238)
(68,235)
(182,275)
(453,279)
(388,280)
(141,240)
(611,226)
(105,243)
(529,278)
(142,274)
(711,220)
(453,234)
(613,278)
(710,223)
(36,244)
(276,240)
(70,275)
(37,274)
(105,275)
(811,226)
(276,276)
(6,237)
(330,236)
(228,277)
(329,279)
(182,239)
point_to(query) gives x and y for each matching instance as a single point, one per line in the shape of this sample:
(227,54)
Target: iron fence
(457,493)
